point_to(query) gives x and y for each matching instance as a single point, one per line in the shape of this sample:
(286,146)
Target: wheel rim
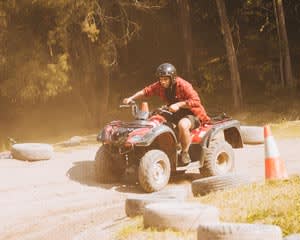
(158,173)
(223,162)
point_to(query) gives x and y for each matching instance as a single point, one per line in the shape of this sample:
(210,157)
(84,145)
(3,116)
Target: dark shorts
(185,113)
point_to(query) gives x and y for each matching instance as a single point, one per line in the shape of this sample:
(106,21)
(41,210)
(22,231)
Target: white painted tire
(179,216)
(252,134)
(32,151)
(204,186)
(177,192)
(238,231)
(292,237)
(5,155)
(134,206)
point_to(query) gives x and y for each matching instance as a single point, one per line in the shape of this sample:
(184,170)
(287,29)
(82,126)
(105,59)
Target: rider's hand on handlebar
(127,100)
(174,107)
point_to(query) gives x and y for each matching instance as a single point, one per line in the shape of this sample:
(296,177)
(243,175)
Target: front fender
(149,137)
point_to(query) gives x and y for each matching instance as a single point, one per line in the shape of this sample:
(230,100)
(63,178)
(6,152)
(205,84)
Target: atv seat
(218,117)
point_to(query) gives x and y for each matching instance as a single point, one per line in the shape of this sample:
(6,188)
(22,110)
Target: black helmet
(166,70)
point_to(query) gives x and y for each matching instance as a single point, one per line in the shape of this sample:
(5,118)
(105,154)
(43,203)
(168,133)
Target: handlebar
(124,106)
(163,111)
(130,104)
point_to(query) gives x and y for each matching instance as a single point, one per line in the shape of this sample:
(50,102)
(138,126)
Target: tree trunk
(105,94)
(281,67)
(3,41)
(287,78)
(84,76)
(185,20)
(97,85)
(231,55)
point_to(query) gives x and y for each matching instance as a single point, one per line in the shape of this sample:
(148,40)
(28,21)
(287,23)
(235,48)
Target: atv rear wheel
(104,166)
(154,170)
(218,159)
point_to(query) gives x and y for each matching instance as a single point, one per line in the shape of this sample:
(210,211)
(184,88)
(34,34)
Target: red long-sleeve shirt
(184,92)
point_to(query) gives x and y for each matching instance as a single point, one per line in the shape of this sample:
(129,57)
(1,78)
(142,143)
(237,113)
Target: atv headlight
(99,136)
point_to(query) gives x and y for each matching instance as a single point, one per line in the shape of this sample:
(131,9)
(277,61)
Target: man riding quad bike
(148,147)
(182,100)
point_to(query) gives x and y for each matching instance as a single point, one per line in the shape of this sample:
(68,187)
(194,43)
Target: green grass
(286,129)
(273,202)
(136,231)
(129,229)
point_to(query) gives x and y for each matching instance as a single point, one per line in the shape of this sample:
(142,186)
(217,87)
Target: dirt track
(60,198)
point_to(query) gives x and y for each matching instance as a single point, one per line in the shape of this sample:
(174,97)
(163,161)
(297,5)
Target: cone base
(275,169)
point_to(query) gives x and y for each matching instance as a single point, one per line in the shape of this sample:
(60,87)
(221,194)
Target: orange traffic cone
(145,107)
(274,165)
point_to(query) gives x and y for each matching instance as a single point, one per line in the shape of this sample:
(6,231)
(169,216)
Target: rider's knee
(184,124)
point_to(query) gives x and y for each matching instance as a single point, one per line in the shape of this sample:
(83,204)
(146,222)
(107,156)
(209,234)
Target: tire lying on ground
(179,216)
(5,155)
(204,186)
(177,192)
(238,231)
(292,237)
(252,134)
(32,151)
(135,206)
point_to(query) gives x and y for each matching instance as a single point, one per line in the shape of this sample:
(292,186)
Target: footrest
(190,166)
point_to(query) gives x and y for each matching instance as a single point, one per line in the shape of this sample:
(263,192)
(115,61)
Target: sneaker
(185,158)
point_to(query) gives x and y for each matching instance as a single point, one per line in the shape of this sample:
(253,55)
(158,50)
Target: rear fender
(231,132)
(233,137)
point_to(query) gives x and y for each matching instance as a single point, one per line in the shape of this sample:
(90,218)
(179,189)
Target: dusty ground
(60,198)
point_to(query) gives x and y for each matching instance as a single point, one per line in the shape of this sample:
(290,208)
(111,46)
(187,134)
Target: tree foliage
(55,30)
(94,51)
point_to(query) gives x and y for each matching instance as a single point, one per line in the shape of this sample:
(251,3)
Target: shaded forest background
(66,65)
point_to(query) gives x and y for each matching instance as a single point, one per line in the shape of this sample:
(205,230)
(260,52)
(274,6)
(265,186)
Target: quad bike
(148,148)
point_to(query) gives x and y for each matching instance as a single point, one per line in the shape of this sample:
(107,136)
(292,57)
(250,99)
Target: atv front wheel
(104,166)
(218,159)
(154,170)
